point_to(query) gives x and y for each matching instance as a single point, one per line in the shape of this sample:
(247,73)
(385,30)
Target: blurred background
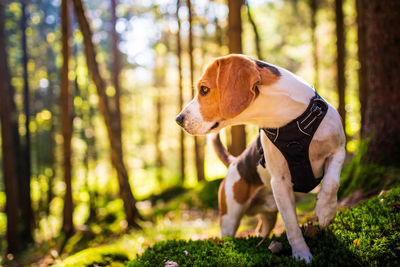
(90,91)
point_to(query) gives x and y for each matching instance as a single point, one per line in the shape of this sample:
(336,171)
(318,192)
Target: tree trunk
(198,141)
(159,84)
(382,54)
(9,156)
(238,134)
(25,169)
(52,141)
(116,70)
(257,40)
(362,72)
(340,44)
(180,96)
(132,214)
(314,41)
(66,118)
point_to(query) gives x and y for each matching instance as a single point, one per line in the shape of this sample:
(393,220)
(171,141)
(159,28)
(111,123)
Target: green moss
(101,256)
(366,235)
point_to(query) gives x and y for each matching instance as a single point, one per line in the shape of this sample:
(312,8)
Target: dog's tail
(219,149)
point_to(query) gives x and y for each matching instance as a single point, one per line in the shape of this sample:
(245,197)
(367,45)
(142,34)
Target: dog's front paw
(302,254)
(326,210)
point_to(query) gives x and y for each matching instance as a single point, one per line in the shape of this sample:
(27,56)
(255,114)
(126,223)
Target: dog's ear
(237,79)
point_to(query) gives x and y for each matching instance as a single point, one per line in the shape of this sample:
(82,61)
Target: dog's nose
(179,120)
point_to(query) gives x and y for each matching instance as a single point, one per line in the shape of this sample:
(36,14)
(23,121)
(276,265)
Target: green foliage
(368,234)
(357,175)
(102,256)
(168,194)
(204,196)
(208,194)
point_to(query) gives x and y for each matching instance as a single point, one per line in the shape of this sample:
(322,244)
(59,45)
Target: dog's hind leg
(231,210)
(266,223)
(326,206)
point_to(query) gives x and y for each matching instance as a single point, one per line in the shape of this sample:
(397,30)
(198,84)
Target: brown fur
(233,81)
(222,199)
(242,191)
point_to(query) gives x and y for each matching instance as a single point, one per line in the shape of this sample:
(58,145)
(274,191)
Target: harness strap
(293,141)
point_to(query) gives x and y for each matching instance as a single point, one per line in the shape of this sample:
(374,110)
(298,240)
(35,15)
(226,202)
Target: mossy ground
(365,235)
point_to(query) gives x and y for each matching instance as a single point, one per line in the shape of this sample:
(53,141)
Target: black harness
(293,140)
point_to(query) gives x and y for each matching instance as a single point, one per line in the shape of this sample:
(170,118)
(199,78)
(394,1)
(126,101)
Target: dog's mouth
(214,126)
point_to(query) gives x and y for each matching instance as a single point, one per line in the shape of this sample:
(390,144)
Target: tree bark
(340,44)
(382,54)
(362,72)
(25,151)
(257,40)
(66,118)
(238,134)
(180,96)
(9,157)
(198,141)
(132,214)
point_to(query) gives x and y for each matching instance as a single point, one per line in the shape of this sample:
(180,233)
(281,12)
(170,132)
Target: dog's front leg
(284,197)
(327,197)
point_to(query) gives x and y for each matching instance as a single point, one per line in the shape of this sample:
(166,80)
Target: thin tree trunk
(9,157)
(314,41)
(198,141)
(362,72)
(180,96)
(257,40)
(238,134)
(218,32)
(66,118)
(132,214)
(52,141)
(159,83)
(25,172)
(340,44)
(92,157)
(116,70)
(382,54)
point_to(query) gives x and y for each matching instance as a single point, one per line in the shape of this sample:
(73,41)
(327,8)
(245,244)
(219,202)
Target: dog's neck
(279,103)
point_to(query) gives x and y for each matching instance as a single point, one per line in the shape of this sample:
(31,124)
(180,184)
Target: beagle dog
(242,192)
(237,89)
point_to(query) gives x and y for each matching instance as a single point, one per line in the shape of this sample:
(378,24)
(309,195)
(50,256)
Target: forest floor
(177,214)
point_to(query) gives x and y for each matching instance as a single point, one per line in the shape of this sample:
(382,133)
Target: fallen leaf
(384,192)
(356,241)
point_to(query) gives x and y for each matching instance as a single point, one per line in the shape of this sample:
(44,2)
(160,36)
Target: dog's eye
(204,90)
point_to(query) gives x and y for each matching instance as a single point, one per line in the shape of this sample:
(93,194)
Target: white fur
(193,122)
(275,106)
(265,209)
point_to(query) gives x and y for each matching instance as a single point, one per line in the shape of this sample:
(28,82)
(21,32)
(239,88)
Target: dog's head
(226,89)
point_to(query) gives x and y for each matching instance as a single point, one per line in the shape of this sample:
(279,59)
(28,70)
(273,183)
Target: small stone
(275,247)
(171,264)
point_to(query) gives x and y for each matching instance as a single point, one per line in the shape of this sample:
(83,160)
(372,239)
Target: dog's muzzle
(179,120)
